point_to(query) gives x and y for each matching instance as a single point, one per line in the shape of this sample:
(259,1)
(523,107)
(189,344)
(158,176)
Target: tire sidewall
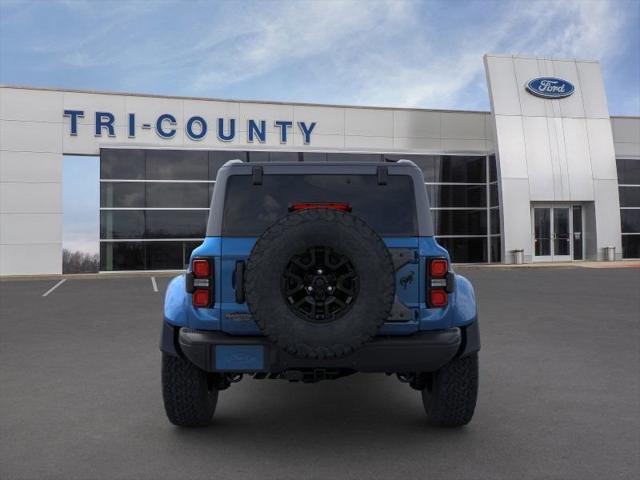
(346,235)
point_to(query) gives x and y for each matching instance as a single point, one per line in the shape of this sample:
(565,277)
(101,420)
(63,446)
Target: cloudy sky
(396,53)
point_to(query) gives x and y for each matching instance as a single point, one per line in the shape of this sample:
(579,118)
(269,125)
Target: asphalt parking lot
(559,395)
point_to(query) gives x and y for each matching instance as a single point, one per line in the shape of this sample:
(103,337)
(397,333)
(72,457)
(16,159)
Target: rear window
(389,209)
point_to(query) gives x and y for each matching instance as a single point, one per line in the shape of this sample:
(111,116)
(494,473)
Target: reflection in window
(122,195)
(457,196)
(631,246)
(628,171)
(460,222)
(466,250)
(630,221)
(629,196)
(177,195)
(121,224)
(122,164)
(176,223)
(464,206)
(177,165)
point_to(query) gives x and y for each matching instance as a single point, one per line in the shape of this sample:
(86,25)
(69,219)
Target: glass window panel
(177,195)
(466,250)
(494,218)
(218,158)
(164,255)
(460,222)
(629,196)
(176,223)
(354,157)
(122,256)
(389,209)
(631,246)
(314,156)
(426,163)
(493,168)
(494,199)
(121,224)
(496,252)
(460,169)
(284,157)
(177,165)
(628,171)
(122,164)
(122,195)
(258,156)
(561,232)
(457,195)
(542,231)
(630,221)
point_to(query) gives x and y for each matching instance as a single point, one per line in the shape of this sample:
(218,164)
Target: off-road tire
(189,396)
(350,236)
(450,395)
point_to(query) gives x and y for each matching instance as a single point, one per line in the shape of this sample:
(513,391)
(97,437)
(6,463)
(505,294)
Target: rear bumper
(219,352)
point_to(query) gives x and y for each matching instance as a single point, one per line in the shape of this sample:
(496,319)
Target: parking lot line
(54,287)
(154,284)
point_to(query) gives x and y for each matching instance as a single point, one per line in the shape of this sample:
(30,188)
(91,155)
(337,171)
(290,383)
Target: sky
(381,53)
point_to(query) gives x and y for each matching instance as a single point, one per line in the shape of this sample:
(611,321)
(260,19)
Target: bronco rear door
(387,205)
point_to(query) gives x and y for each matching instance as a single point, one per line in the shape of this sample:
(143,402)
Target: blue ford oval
(550,87)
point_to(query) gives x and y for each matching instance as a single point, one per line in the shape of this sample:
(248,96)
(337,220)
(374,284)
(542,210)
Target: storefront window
(160,205)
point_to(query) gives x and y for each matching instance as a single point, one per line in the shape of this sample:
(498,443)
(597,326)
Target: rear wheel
(189,395)
(450,394)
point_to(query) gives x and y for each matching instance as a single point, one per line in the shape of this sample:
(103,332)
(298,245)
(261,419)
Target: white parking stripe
(154,284)
(54,287)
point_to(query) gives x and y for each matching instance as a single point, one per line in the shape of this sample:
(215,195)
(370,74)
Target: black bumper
(420,352)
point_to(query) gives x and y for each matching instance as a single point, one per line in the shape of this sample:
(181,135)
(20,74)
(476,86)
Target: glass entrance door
(542,233)
(561,234)
(557,233)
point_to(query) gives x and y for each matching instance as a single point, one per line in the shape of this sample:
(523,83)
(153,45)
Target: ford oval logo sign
(550,87)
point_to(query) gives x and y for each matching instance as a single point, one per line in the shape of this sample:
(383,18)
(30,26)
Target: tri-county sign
(550,87)
(196,127)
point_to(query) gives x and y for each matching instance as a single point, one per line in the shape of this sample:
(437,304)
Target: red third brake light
(200,268)
(345,207)
(439,267)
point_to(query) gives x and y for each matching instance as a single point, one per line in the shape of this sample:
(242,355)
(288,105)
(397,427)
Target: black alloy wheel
(320,284)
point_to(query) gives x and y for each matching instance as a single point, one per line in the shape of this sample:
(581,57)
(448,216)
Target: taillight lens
(437,296)
(201,298)
(200,267)
(439,267)
(200,282)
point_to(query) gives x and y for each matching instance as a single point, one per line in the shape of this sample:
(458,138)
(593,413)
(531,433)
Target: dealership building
(546,175)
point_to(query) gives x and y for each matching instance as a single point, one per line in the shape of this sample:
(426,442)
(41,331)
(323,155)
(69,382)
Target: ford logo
(550,87)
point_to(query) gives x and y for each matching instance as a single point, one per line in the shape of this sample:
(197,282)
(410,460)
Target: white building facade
(547,174)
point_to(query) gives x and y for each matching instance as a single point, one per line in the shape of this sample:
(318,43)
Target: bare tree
(80,262)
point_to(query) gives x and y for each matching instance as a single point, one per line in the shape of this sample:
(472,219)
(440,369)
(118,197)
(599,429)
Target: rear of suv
(316,271)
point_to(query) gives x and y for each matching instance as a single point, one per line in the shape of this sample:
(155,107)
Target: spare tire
(320,283)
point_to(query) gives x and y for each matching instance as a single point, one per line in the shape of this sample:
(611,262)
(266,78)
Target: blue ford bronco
(316,271)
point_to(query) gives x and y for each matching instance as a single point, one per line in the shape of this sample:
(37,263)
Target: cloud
(392,53)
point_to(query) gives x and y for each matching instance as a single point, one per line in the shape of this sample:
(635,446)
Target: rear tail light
(200,267)
(440,282)
(199,282)
(294,207)
(201,298)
